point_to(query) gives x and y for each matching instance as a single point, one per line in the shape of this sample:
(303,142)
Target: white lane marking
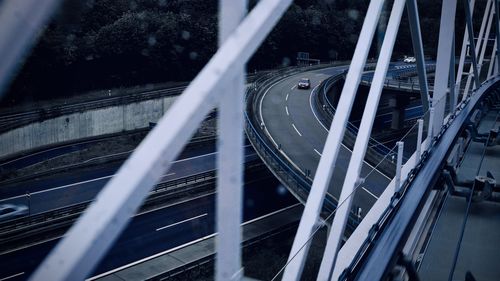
(315,150)
(181,246)
(136,215)
(293,125)
(293,88)
(12,276)
(286,108)
(287,96)
(316,116)
(181,222)
(312,108)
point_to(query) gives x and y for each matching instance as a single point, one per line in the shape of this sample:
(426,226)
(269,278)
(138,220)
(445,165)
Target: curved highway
(289,120)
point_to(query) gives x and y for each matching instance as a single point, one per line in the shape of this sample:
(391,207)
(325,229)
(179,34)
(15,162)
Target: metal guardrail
(16,120)
(400,79)
(12,120)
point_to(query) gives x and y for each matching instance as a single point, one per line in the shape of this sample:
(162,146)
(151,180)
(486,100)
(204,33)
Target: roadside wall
(91,123)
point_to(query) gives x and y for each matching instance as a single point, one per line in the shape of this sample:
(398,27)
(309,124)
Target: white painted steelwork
(361,144)
(446,33)
(230,158)
(326,166)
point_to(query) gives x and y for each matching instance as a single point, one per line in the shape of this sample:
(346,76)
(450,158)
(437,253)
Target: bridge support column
(398,106)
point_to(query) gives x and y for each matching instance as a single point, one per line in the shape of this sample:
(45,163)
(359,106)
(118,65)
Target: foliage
(98,44)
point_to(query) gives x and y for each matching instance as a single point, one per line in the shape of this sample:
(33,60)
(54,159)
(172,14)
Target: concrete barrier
(90,123)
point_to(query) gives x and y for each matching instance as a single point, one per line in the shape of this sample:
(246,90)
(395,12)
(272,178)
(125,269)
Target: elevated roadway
(289,120)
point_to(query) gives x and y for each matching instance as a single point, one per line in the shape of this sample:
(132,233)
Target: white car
(304,83)
(410,60)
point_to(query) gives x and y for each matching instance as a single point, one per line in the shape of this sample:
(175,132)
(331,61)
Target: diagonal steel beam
(480,41)
(418,49)
(355,163)
(446,31)
(463,52)
(472,44)
(92,235)
(326,165)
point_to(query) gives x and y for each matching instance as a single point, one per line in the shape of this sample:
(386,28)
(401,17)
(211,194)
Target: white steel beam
(446,31)
(472,44)
(333,142)
(351,181)
(418,50)
(418,150)
(451,78)
(492,60)
(479,46)
(463,52)
(399,165)
(88,240)
(20,25)
(486,37)
(230,156)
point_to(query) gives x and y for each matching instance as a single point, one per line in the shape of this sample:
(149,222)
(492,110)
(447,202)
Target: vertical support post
(230,156)
(418,151)
(351,181)
(451,83)
(399,164)
(300,247)
(446,31)
(430,131)
(418,49)
(472,44)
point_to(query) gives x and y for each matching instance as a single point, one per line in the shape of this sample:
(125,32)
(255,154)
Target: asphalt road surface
(58,192)
(159,230)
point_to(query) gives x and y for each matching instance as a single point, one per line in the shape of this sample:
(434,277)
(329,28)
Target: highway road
(158,230)
(292,124)
(58,192)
